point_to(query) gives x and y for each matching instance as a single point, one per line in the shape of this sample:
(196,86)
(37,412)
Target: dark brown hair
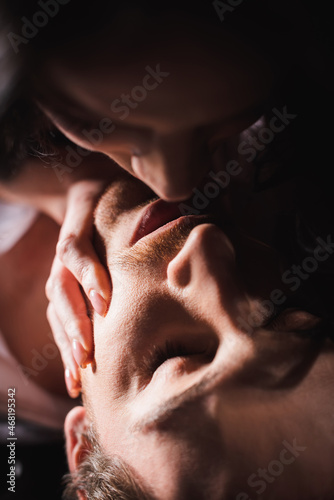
(26,132)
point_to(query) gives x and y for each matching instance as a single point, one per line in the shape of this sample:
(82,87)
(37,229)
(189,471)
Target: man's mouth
(154,216)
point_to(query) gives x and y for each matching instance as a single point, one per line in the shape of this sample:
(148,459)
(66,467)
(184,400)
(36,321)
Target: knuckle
(61,340)
(67,245)
(70,252)
(75,327)
(85,275)
(55,285)
(70,327)
(63,345)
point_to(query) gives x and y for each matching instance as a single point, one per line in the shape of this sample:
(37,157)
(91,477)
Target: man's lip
(154,216)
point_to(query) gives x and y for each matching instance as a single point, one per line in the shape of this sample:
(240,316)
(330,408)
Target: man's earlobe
(76,426)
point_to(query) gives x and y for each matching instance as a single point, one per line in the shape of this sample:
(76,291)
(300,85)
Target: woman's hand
(76,270)
(76,265)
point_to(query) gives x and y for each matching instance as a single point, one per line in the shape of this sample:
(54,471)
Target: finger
(63,291)
(78,255)
(62,341)
(71,372)
(75,247)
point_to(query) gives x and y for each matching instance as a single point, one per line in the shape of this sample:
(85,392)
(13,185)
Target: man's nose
(174,166)
(204,274)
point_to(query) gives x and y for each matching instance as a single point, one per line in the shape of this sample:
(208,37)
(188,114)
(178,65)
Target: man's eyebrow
(176,404)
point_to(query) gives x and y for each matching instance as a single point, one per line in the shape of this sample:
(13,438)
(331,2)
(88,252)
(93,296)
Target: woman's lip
(154,216)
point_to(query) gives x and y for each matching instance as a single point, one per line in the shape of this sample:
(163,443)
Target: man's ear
(76,425)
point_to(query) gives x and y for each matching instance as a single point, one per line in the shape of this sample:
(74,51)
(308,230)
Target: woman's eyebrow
(60,102)
(72,113)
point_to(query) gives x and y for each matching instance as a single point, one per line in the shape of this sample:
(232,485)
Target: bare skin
(207,420)
(164,140)
(23,304)
(26,267)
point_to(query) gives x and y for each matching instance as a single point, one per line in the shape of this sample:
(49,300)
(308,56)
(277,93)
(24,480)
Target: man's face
(196,405)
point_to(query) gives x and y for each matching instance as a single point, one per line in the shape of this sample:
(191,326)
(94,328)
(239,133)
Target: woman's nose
(174,166)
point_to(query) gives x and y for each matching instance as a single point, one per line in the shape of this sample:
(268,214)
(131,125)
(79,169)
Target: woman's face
(158,112)
(247,414)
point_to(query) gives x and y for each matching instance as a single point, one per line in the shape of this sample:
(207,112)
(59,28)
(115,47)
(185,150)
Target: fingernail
(79,353)
(71,384)
(98,302)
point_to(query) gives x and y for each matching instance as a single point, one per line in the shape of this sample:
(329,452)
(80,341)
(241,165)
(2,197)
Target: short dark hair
(26,132)
(22,126)
(76,20)
(100,477)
